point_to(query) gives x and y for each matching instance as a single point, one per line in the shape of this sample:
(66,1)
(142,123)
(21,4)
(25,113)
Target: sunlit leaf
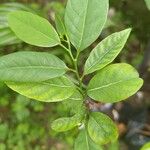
(30,67)
(53,90)
(33,29)
(114,83)
(84,20)
(106,51)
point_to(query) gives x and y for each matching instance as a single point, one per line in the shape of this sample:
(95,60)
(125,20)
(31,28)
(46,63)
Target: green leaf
(52,90)
(30,67)
(101,128)
(84,142)
(66,123)
(74,103)
(146,146)
(60,25)
(147,4)
(33,29)
(114,146)
(106,51)
(7,37)
(114,83)
(84,20)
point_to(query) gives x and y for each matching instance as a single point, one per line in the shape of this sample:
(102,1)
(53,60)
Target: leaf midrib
(35,29)
(33,67)
(110,84)
(99,60)
(37,84)
(83,28)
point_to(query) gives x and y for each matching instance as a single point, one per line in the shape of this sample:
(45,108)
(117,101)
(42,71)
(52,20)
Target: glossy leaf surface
(30,67)
(84,20)
(33,29)
(106,51)
(53,90)
(114,83)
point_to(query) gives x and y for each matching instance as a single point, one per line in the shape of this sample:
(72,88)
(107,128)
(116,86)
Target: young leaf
(60,25)
(30,67)
(52,90)
(84,20)
(101,128)
(114,83)
(33,29)
(74,103)
(65,124)
(84,142)
(106,51)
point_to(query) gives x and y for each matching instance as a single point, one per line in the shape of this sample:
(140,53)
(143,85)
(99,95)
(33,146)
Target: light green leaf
(66,123)
(33,29)
(106,51)
(146,146)
(84,20)
(30,67)
(114,146)
(52,90)
(74,103)
(101,128)
(60,25)
(148,3)
(84,142)
(7,37)
(114,83)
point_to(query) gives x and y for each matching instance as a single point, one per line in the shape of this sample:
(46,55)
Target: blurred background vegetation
(25,124)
